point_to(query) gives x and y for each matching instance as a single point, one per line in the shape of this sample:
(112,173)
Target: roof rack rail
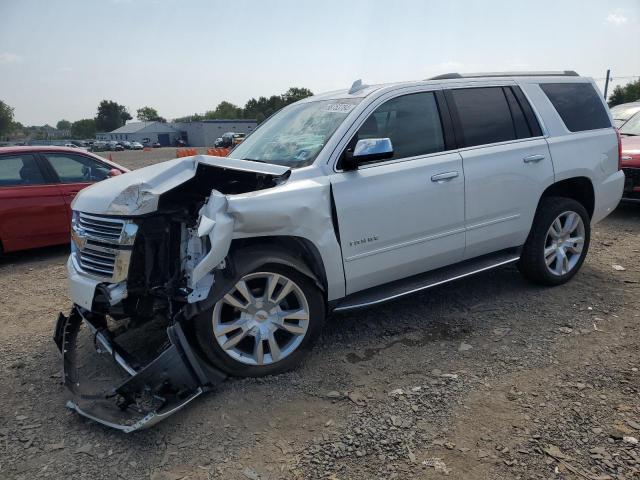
(449,76)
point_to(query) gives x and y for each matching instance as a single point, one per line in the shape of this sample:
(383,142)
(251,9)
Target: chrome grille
(102,246)
(97,262)
(101,228)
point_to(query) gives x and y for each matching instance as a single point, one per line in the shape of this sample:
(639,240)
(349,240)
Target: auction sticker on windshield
(339,107)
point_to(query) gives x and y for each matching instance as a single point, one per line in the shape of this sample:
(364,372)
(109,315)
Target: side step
(422,281)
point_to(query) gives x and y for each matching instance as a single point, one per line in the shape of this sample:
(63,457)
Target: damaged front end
(148,252)
(143,395)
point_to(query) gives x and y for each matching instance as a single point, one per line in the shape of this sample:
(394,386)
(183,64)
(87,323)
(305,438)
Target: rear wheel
(558,242)
(264,324)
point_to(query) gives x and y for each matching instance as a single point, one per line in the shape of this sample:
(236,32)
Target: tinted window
(412,122)
(519,121)
(77,168)
(578,104)
(484,115)
(19,170)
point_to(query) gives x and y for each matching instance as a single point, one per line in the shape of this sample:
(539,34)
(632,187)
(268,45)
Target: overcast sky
(58,59)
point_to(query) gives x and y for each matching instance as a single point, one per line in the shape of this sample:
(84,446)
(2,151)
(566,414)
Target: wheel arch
(579,189)
(296,248)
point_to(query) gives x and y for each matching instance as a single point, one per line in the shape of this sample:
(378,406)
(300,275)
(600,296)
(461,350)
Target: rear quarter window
(19,169)
(578,104)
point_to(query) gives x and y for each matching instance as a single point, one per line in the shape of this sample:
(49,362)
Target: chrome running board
(422,281)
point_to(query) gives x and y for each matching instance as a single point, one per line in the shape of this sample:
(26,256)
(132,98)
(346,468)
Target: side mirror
(367,150)
(114,172)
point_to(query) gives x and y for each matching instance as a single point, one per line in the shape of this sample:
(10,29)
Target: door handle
(444,177)
(533,158)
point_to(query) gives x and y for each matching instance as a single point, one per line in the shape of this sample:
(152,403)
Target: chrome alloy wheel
(262,319)
(564,242)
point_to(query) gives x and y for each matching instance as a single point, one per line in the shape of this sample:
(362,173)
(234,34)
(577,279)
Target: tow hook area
(110,386)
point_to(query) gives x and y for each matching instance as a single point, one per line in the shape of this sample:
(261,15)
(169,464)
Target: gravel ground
(486,378)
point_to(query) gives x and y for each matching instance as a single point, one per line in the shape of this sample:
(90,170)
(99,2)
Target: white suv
(341,201)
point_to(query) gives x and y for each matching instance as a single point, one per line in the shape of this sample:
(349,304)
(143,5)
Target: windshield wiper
(629,134)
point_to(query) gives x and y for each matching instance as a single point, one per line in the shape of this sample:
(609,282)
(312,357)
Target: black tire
(220,359)
(532,262)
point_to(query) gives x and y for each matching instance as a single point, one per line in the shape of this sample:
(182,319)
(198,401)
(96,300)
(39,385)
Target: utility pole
(606,84)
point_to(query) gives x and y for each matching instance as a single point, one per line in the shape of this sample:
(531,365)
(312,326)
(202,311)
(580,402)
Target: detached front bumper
(141,396)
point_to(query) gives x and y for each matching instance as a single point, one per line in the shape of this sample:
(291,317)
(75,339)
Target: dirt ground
(133,159)
(489,377)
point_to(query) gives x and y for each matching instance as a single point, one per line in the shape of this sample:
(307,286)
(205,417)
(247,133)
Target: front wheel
(264,324)
(558,242)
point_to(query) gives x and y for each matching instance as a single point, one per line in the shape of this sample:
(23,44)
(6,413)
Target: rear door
(507,165)
(32,210)
(75,172)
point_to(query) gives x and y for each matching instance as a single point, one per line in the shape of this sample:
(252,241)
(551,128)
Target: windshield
(632,127)
(295,135)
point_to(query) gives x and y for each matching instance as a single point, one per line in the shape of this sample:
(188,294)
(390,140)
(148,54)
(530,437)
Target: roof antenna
(357,86)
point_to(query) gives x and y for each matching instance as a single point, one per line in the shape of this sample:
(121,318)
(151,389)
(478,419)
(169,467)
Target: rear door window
(486,115)
(578,104)
(77,168)
(18,170)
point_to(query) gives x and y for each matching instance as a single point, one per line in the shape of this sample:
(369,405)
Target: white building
(143,132)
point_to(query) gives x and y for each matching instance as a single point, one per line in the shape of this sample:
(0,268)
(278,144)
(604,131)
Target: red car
(37,185)
(630,133)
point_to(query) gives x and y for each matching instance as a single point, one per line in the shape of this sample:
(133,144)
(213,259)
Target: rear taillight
(619,149)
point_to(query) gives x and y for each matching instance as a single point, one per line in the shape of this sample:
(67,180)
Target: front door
(405,215)
(75,172)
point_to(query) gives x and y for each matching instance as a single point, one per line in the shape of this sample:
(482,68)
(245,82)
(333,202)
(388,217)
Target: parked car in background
(119,147)
(136,146)
(630,160)
(623,112)
(126,145)
(71,145)
(157,145)
(230,140)
(99,146)
(37,185)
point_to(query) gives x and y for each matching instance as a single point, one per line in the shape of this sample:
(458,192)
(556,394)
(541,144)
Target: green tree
(294,94)
(196,117)
(6,118)
(625,94)
(63,125)
(259,108)
(264,107)
(226,110)
(149,114)
(85,128)
(111,115)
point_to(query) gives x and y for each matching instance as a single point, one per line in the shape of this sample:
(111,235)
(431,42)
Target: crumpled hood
(137,192)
